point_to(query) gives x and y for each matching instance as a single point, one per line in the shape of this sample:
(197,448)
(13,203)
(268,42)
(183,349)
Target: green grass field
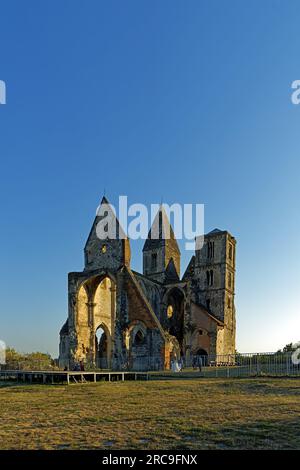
(159,414)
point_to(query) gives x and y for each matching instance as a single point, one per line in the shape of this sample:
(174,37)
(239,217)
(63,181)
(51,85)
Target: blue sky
(189,101)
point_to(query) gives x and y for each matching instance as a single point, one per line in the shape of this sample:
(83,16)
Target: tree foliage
(28,361)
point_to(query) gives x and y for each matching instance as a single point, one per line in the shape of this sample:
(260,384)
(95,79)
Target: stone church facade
(123,320)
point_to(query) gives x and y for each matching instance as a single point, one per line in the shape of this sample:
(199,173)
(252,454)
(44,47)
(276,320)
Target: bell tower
(215,278)
(161,254)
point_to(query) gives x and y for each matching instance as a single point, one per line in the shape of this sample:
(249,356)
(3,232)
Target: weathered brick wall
(204,328)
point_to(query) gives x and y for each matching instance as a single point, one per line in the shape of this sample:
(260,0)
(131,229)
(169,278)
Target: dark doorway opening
(204,357)
(101,349)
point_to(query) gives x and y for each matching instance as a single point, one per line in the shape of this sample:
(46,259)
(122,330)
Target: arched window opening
(82,306)
(139,338)
(210,249)
(170,311)
(174,321)
(153,261)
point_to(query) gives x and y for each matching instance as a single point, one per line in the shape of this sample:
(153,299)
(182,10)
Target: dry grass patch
(169,414)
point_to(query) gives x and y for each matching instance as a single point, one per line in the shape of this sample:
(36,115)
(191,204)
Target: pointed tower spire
(161,254)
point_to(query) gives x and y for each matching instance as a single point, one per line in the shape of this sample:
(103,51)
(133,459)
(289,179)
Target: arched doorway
(103,348)
(137,344)
(104,320)
(204,357)
(174,318)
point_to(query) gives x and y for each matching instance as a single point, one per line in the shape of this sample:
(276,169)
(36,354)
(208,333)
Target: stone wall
(133,309)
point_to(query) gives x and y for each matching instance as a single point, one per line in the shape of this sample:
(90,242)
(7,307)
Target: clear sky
(186,100)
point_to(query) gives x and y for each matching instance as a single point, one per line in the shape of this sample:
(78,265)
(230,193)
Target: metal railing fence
(230,365)
(245,365)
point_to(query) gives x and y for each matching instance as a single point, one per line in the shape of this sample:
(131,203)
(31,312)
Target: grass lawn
(159,414)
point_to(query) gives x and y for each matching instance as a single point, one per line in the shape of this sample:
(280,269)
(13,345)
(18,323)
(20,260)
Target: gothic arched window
(139,338)
(170,311)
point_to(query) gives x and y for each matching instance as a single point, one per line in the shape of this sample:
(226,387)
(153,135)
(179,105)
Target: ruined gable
(109,253)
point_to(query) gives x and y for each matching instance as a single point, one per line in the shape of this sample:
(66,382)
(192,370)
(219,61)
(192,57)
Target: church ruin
(123,320)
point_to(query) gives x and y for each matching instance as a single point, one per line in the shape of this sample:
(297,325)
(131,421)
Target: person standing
(200,363)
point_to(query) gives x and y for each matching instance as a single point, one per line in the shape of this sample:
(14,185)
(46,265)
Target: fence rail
(246,365)
(231,365)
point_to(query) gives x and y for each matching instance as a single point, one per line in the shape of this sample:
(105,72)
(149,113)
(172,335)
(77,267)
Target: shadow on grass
(260,387)
(266,434)
(10,384)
